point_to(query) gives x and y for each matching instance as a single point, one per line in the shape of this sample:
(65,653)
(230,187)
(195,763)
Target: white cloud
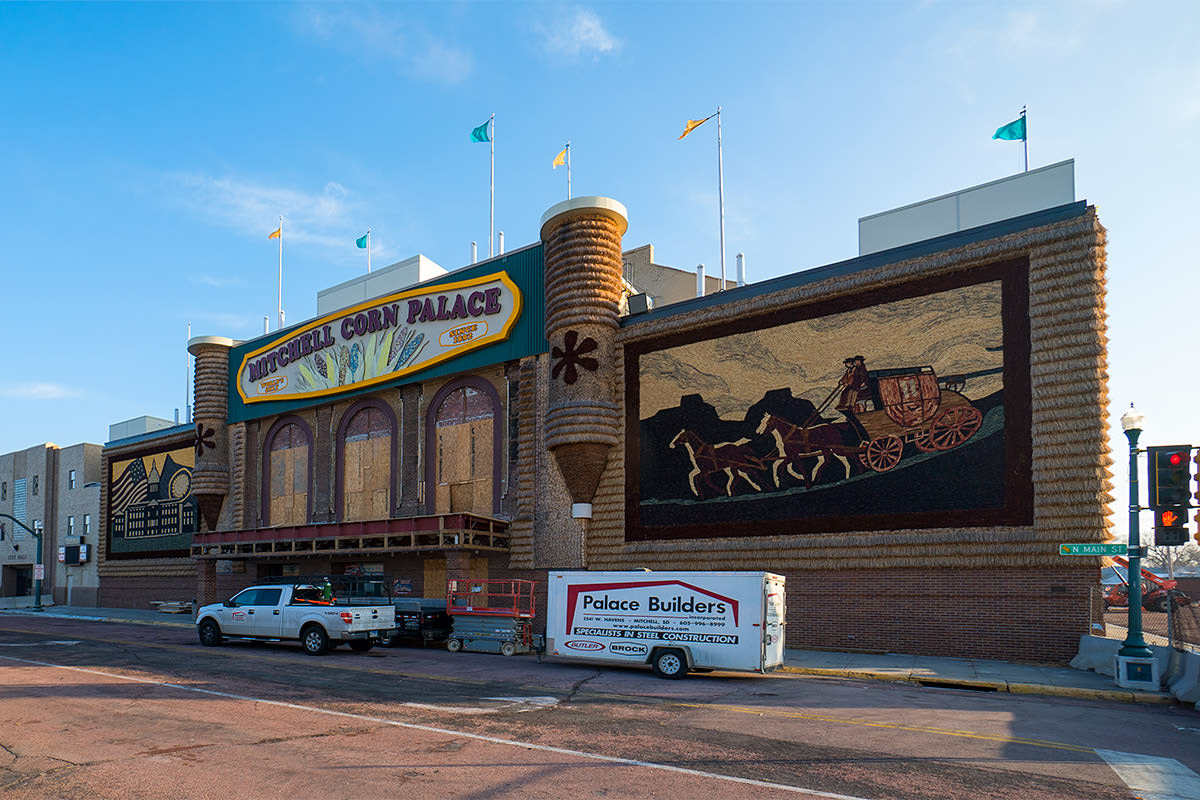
(369,34)
(254,209)
(39,391)
(218,282)
(576,32)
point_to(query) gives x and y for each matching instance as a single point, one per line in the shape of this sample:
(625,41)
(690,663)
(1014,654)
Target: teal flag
(362,242)
(1013,130)
(480,134)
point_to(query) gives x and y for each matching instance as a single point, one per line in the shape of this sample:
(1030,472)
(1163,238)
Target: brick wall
(1021,614)
(129,591)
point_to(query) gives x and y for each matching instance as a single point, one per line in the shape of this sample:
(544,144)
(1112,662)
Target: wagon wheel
(954,426)
(883,453)
(924,441)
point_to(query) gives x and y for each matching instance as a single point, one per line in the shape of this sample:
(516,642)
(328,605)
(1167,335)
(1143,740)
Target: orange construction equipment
(1157,593)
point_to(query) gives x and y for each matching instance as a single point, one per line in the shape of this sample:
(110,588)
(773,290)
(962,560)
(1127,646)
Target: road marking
(525,703)
(449,732)
(35,644)
(341,664)
(989,737)
(1153,778)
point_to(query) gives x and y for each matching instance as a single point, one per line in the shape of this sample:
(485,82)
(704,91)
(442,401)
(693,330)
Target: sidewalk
(964,673)
(951,673)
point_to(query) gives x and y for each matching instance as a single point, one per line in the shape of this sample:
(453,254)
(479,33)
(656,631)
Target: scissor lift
(491,616)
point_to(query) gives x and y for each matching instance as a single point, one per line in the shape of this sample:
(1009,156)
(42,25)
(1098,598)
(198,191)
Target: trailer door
(774,621)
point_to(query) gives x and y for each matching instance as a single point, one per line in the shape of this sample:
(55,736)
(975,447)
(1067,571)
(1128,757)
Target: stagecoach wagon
(911,405)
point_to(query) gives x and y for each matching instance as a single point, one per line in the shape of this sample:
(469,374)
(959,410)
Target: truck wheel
(315,640)
(1161,604)
(453,645)
(361,645)
(669,663)
(210,633)
(507,648)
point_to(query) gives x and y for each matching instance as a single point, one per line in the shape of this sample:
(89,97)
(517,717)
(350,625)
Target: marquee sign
(381,340)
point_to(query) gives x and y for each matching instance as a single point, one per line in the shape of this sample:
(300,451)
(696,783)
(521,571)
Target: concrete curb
(1118,695)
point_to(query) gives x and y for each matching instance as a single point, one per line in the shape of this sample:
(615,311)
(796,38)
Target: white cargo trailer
(673,621)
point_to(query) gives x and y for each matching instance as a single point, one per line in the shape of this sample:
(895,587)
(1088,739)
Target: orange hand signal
(1169,518)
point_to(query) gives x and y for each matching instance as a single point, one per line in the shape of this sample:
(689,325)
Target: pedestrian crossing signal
(1169,530)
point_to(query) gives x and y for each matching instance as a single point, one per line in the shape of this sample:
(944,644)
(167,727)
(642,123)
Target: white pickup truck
(316,616)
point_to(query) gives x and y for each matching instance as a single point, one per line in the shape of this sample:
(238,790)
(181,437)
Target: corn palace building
(906,435)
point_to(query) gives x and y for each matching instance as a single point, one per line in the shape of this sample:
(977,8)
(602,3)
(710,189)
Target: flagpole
(721,195)
(568,169)
(1025,138)
(280,272)
(492,211)
(368,251)
(187,384)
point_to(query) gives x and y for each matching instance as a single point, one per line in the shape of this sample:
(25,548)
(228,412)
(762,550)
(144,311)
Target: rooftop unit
(1024,193)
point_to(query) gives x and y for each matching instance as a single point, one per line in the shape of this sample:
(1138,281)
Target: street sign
(1116,549)
(39,572)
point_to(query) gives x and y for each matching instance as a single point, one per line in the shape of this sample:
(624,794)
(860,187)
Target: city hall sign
(381,340)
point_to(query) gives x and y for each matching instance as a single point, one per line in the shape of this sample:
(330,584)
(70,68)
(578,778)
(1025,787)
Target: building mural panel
(906,408)
(151,509)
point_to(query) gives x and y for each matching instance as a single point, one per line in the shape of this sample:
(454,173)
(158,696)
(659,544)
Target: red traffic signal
(1170,476)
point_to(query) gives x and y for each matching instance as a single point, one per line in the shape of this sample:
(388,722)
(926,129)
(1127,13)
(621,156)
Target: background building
(57,490)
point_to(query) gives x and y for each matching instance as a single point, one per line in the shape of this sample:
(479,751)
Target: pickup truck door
(253,612)
(235,616)
(266,615)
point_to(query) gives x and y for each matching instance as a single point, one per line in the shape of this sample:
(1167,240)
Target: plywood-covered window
(464,449)
(367,465)
(287,476)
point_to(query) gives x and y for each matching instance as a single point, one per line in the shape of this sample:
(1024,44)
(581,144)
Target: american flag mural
(130,488)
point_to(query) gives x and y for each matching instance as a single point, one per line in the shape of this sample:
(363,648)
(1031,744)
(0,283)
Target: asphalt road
(105,710)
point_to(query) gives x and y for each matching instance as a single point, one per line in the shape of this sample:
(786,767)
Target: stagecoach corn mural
(893,408)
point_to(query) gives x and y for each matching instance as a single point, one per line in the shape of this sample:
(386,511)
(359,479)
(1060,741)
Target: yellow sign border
(499,336)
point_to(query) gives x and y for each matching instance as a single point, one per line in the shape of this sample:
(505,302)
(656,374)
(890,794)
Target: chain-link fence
(1171,621)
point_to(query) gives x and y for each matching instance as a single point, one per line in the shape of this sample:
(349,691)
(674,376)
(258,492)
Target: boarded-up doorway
(465,453)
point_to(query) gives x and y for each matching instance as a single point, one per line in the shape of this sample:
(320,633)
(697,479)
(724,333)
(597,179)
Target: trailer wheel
(315,640)
(669,663)
(507,648)
(453,645)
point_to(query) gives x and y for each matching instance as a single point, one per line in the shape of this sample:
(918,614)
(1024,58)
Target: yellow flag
(560,159)
(692,125)
(276,233)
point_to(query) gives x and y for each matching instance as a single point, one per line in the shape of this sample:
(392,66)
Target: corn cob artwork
(373,344)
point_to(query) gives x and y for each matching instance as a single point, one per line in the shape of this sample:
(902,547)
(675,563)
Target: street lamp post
(37,582)
(1134,645)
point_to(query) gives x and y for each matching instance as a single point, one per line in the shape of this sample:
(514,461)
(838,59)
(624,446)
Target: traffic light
(1169,527)
(1170,476)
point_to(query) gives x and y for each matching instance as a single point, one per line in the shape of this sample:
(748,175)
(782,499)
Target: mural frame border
(1013,275)
(140,452)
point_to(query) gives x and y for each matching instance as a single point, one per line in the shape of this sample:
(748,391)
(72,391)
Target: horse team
(806,455)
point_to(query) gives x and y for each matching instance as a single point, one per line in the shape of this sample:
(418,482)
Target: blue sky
(148,149)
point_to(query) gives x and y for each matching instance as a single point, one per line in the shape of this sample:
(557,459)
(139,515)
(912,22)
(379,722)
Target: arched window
(366,462)
(285,473)
(463,443)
